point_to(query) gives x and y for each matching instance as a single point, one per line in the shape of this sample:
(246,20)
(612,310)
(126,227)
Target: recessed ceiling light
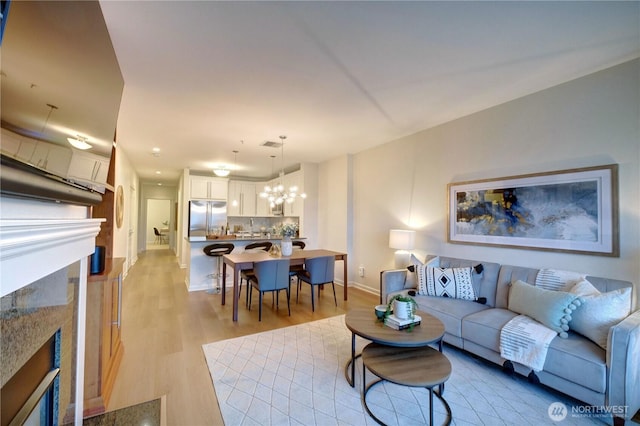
(159,184)
(158,172)
(156,149)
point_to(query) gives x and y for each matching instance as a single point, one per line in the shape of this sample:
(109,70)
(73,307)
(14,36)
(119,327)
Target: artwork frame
(573,210)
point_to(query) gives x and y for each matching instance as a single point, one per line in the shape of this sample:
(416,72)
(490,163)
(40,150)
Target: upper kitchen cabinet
(43,155)
(262,205)
(284,209)
(242,199)
(88,168)
(52,158)
(16,146)
(207,188)
(296,208)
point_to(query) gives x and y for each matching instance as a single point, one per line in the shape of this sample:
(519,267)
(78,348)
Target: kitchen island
(201,266)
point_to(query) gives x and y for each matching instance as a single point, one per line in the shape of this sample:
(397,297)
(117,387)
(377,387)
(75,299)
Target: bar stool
(217,250)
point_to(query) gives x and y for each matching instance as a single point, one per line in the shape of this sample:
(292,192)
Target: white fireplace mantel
(31,249)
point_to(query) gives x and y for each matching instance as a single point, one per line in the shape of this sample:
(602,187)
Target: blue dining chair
(318,271)
(270,275)
(294,270)
(246,274)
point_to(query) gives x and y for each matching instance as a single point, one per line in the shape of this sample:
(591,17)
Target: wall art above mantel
(572,211)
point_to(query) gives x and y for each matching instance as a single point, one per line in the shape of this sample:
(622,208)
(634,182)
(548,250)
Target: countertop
(111,266)
(237,239)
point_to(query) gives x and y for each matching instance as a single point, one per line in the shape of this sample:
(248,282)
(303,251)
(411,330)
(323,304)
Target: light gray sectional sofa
(575,365)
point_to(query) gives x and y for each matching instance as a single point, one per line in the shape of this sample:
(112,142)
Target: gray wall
(589,121)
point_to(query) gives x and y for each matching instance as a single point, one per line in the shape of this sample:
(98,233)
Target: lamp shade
(401,239)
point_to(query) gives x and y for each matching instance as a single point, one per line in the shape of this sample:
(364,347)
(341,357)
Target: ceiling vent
(271,144)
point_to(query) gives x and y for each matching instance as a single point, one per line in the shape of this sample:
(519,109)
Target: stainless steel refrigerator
(207,217)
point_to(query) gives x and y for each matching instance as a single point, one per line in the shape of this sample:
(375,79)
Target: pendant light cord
(46,121)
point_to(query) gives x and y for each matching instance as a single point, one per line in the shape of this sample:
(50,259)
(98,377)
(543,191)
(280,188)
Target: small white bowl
(380,310)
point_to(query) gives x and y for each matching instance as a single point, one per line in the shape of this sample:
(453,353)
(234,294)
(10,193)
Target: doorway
(158,218)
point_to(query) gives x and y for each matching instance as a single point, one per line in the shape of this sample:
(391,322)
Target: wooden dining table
(245,260)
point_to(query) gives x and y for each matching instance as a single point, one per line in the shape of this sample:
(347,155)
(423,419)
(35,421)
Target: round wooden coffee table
(363,323)
(422,367)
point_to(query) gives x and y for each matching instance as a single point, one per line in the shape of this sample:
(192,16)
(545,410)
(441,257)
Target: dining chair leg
(249,294)
(313,306)
(260,307)
(288,290)
(334,293)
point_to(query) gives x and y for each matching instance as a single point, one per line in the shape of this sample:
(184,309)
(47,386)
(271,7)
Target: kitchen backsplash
(257,225)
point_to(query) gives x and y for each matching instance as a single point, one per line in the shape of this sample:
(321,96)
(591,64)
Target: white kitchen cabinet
(53,158)
(233,200)
(262,205)
(207,188)
(242,199)
(285,209)
(44,155)
(88,167)
(290,180)
(10,143)
(26,149)
(276,210)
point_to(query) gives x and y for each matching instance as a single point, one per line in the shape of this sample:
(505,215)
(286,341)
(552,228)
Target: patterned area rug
(295,376)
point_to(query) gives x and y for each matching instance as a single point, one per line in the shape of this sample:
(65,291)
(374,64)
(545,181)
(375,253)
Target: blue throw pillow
(551,308)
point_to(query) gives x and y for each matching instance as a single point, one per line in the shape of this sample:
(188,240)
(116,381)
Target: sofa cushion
(509,274)
(575,358)
(551,308)
(579,360)
(483,328)
(599,311)
(456,283)
(449,311)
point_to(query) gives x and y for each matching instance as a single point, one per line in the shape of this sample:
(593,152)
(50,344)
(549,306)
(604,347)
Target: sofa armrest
(391,280)
(624,369)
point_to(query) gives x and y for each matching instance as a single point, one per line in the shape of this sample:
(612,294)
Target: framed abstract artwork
(572,210)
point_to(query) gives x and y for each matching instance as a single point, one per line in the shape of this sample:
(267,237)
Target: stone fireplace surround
(47,243)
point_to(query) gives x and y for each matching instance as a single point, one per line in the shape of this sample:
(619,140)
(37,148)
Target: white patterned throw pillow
(554,279)
(599,311)
(446,282)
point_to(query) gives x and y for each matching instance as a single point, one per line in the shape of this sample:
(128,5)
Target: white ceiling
(205,78)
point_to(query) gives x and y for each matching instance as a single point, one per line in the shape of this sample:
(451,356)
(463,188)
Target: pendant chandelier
(277,194)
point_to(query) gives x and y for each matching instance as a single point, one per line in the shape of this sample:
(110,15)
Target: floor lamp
(403,241)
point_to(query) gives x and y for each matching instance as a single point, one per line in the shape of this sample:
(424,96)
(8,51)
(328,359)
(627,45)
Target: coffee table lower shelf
(423,367)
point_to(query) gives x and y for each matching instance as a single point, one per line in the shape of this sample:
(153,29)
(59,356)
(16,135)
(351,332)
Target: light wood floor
(164,328)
